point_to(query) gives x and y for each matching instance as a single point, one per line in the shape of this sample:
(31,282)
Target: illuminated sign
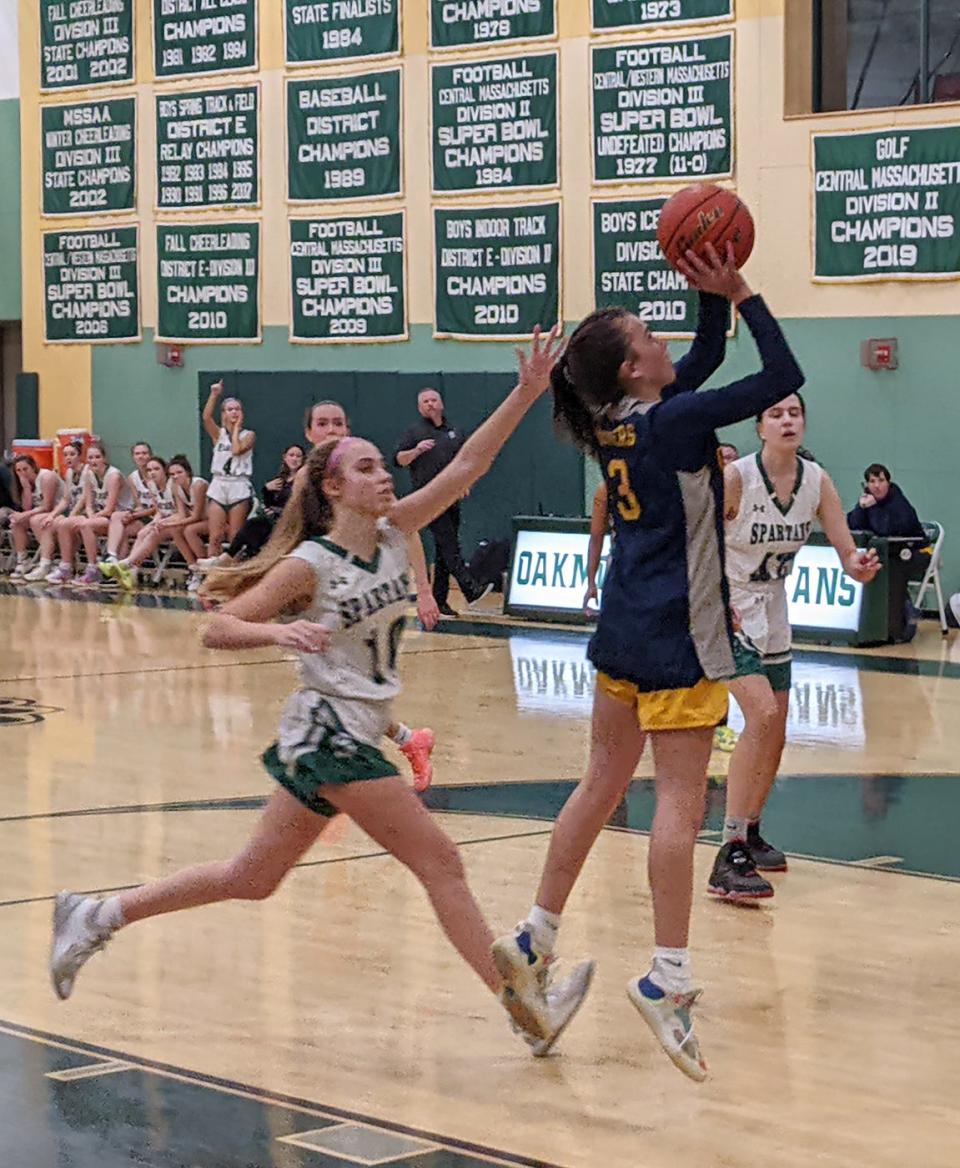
(549,570)
(820,595)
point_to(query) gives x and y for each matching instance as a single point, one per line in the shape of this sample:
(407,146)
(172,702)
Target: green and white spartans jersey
(761,544)
(356,678)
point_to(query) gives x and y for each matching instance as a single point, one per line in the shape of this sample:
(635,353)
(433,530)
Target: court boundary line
(492,839)
(265,1095)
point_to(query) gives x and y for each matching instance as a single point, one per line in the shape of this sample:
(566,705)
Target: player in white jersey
(771,501)
(230,496)
(328,419)
(169,503)
(105,490)
(46,525)
(338,557)
(125,524)
(40,491)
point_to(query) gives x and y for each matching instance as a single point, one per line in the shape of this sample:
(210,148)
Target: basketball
(704,214)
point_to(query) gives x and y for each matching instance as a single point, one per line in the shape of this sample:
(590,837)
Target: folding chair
(931,577)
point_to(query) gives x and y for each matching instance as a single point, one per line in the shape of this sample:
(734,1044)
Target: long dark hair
(285,472)
(585,379)
(308,513)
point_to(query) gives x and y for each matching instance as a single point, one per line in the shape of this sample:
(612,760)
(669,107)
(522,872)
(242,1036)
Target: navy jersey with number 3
(665,623)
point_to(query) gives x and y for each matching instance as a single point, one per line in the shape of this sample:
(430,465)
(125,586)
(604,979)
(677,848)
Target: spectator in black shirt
(883,508)
(429,446)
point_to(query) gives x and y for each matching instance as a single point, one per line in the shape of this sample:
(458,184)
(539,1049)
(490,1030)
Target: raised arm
(706,354)
(861,565)
(690,416)
(476,457)
(209,424)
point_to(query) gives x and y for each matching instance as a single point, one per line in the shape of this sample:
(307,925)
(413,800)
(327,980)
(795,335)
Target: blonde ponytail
(307,514)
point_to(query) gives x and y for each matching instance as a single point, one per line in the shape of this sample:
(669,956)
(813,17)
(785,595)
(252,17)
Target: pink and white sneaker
(89,577)
(60,575)
(417,752)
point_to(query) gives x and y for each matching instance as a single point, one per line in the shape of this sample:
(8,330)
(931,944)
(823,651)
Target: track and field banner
(348,279)
(494,124)
(84,44)
(460,24)
(91,285)
(208,282)
(88,156)
(318,31)
(343,137)
(208,148)
(629,269)
(195,36)
(887,204)
(663,110)
(611,14)
(497,271)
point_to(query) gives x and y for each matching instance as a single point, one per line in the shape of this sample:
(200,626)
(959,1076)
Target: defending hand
(537,365)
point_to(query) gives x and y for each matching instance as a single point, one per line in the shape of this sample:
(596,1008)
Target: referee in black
(425,449)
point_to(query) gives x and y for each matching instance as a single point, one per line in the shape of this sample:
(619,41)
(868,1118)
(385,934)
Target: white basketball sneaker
(77,935)
(668,1016)
(564,999)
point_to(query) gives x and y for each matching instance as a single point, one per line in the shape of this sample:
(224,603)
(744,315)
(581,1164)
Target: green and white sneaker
(77,935)
(127,576)
(564,999)
(668,1016)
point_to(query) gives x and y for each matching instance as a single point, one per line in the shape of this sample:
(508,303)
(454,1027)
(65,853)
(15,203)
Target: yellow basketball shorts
(702,706)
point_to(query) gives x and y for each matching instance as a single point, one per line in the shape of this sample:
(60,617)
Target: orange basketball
(705,214)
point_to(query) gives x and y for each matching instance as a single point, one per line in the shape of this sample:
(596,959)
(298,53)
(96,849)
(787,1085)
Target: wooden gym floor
(332,1025)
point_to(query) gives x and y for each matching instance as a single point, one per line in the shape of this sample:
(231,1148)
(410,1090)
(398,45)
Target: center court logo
(23,711)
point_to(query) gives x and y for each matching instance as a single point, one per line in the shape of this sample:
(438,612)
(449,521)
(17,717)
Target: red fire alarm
(879,353)
(170,355)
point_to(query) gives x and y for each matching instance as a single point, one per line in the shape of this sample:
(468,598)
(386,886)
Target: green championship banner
(343,137)
(497,271)
(495,124)
(662,110)
(208,282)
(208,148)
(87,155)
(91,285)
(458,24)
(341,30)
(629,269)
(650,13)
(887,204)
(347,278)
(85,42)
(203,36)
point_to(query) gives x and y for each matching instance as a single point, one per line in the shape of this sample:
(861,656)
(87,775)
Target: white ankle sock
(544,926)
(402,735)
(110,913)
(670,970)
(735,828)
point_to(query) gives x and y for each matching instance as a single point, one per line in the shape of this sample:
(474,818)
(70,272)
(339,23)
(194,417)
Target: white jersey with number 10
(364,606)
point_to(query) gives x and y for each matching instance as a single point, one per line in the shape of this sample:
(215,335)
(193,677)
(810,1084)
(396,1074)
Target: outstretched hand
(714,273)
(537,365)
(862,565)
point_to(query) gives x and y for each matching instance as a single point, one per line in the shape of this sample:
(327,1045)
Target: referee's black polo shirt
(427,466)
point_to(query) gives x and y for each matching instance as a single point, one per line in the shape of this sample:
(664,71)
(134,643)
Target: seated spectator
(728,453)
(883,508)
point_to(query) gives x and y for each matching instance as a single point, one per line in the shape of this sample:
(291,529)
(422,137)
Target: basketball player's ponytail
(586,378)
(308,513)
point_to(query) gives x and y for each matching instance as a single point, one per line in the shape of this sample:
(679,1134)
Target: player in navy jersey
(663,644)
